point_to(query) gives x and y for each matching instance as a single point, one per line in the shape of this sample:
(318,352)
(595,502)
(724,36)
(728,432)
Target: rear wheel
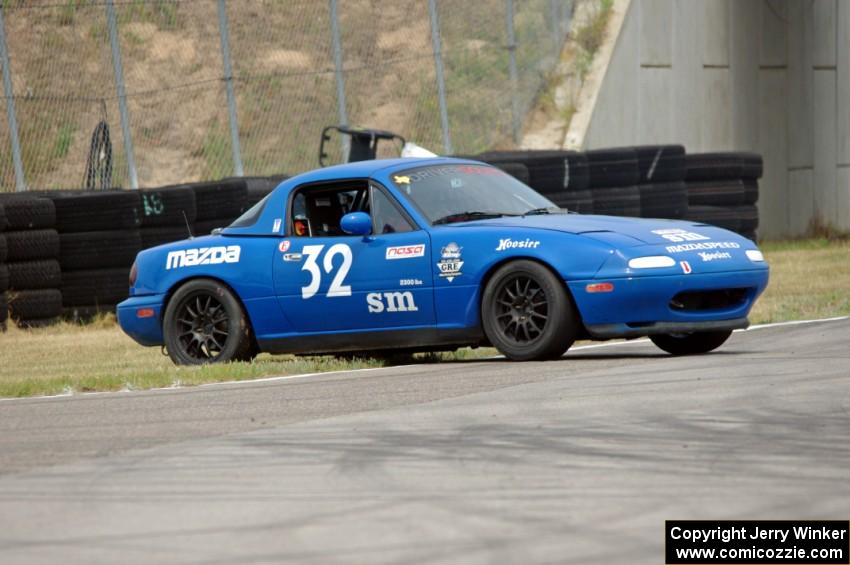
(691,343)
(204,323)
(527,314)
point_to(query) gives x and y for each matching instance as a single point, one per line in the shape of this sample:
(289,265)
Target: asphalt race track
(575,461)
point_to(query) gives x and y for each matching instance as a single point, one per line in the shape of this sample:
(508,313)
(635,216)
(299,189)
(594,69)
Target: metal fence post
(228,81)
(11,116)
(441,82)
(515,118)
(338,74)
(118,69)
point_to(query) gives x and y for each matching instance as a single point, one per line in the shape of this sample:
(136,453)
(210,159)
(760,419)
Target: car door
(329,281)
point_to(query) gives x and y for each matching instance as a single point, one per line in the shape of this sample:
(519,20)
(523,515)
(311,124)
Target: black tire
(257,188)
(168,206)
(4,278)
(613,167)
(35,304)
(520,338)
(34,275)
(33,323)
(622,201)
(29,245)
(751,235)
(723,165)
(4,249)
(204,323)
(92,211)
(692,343)
(751,191)
(3,221)
(151,237)
(516,170)
(727,218)
(549,172)
(102,287)
(721,192)
(663,200)
(220,199)
(99,249)
(24,212)
(580,201)
(661,163)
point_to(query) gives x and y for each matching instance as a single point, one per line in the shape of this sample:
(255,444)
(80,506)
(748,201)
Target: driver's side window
(317,210)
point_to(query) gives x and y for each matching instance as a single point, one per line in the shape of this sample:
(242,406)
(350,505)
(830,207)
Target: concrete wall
(771,76)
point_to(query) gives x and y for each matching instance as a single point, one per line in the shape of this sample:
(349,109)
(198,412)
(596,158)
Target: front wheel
(204,323)
(691,343)
(527,314)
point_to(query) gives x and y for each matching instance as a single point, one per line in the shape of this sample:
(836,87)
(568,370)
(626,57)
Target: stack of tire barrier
(99,239)
(257,188)
(31,252)
(723,190)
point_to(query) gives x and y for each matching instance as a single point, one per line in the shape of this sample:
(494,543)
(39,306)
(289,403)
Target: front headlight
(755,255)
(653,262)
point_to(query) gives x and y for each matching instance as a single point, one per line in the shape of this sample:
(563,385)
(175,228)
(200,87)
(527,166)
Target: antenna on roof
(188,227)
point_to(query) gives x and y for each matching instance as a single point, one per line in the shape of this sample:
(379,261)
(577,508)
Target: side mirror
(356,223)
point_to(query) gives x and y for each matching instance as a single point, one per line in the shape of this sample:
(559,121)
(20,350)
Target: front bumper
(148,330)
(639,306)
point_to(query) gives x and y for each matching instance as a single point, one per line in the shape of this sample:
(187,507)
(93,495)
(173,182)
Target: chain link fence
(204,89)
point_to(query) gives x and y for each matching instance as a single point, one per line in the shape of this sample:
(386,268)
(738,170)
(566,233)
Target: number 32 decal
(312,266)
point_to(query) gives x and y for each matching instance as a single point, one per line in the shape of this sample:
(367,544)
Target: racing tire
(4,250)
(527,314)
(721,192)
(33,275)
(751,191)
(663,200)
(35,304)
(28,212)
(204,323)
(28,245)
(692,343)
(661,163)
(94,211)
(4,278)
(3,221)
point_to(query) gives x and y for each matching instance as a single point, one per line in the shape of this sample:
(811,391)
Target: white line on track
(328,373)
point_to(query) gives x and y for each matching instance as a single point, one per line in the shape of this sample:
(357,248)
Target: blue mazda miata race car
(435,254)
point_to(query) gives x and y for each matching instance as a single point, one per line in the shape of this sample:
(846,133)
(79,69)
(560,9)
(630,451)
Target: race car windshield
(457,193)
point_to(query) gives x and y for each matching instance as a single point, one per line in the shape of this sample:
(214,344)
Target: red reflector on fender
(145,313)
(600,287)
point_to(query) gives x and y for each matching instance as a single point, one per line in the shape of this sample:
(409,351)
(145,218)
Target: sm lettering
(391,302)
(202,256)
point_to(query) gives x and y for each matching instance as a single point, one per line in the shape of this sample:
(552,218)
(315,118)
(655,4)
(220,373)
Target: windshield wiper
(464,216)
(540,211)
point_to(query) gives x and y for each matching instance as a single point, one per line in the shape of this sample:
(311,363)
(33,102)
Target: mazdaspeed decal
(708,246)
(508,243)
(406,251)
(202,256)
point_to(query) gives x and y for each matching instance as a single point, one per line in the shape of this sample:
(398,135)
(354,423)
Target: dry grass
(809,279)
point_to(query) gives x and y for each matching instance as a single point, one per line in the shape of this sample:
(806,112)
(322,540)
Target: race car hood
(609,229)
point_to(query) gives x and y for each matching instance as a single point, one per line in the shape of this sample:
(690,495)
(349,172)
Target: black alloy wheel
(204,323)
(526,312)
